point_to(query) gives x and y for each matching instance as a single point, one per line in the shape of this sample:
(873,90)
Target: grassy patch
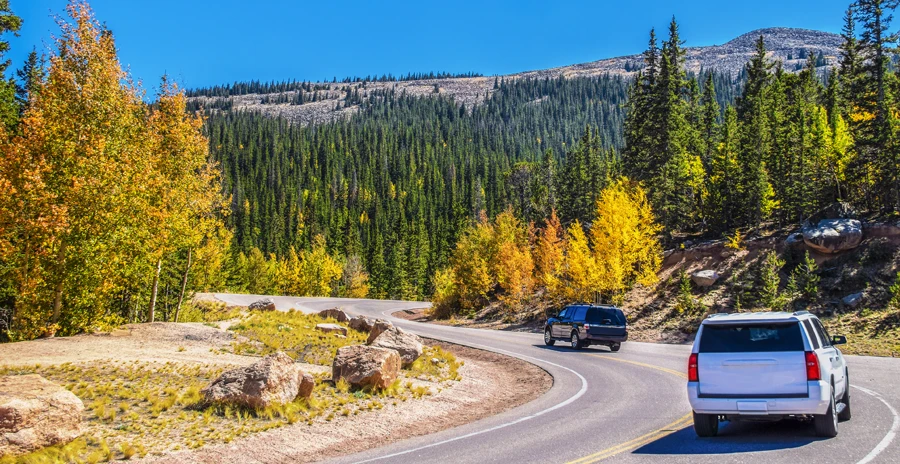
(872,333)
(208,311)
(294,333)
(136,408)
(133,408)
(436,365)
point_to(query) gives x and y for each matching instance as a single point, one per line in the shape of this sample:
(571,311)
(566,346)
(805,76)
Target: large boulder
(332,328)
(853,300)
(265,304)
(377,328)
(366,366)
(833,235)
(335,314)
(361,323)
(705,278)
(307,384)
(274,379)
(36,413)
(408,345)
(794,242)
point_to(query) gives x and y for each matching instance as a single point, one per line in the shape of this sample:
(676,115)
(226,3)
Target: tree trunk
(187,269)
(58,291)
(155,289)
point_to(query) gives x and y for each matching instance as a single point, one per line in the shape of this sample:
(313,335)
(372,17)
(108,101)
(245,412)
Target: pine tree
(725,188)
(875,134)
(755,140)
(709,116)
(31,76)
(9,109)
(850,66)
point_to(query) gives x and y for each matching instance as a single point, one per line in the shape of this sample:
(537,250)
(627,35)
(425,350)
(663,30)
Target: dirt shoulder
(491,383)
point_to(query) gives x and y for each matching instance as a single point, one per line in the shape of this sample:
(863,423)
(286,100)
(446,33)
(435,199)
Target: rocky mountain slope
(790,46)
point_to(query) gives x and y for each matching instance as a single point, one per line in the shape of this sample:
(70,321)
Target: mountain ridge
(332,101)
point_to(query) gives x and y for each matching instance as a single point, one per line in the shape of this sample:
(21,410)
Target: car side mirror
(838,340)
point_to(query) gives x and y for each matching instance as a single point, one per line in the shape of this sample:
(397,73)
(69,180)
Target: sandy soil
(157,342)
(490,384)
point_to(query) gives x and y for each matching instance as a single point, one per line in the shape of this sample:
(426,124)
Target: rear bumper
(604,339)
(815,403)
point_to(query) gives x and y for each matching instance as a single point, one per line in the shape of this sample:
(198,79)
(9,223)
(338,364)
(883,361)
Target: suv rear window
(598,315)
(749,338)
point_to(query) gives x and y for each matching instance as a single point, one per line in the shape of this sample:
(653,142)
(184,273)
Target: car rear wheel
(826,424)
(615,347)
(576,341)
(845,415)
(706,425)
(548,339)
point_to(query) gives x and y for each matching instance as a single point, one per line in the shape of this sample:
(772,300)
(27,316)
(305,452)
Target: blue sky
(206,42)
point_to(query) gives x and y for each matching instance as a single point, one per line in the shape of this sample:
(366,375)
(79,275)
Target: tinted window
(823,334)
(813,339)
(578,315)
(748,338)
(608,316)
(563,313)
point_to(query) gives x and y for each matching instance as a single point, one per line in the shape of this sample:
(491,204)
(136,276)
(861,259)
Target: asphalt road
(629,406)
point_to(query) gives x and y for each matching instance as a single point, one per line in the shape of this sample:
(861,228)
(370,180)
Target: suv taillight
(693,371)
(812,366)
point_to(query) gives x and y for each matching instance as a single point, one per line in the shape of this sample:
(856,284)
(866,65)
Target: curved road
(629,406)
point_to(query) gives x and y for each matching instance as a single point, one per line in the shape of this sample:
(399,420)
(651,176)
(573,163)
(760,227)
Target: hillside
(325,101)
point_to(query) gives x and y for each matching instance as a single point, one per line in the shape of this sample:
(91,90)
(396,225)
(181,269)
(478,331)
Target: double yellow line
(642,440)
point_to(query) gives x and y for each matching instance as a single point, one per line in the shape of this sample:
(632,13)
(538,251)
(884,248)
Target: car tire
(575,341)
(706,425)
(548,339)
(845,415)
(615,347)
(826,424)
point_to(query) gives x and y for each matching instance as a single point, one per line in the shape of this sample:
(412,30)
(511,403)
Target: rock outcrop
(36,413)
(377,328)
(853,300)
(408,345)
(274,379)
(705,278)
(307,384)
(833,235)
(265,304)
(332,328)
(361,323)
(335,314)
(366,366)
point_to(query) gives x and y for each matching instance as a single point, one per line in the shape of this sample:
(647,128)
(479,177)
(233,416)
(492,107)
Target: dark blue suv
(584,325)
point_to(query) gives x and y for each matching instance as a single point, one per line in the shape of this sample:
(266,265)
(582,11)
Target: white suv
(767,366)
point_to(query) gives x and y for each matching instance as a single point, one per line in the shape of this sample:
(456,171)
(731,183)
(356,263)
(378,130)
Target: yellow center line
(642,440)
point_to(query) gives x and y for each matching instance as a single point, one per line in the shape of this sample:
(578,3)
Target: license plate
(758,407)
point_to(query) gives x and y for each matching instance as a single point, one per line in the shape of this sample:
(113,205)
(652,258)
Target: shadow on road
(565,348)
(735,437)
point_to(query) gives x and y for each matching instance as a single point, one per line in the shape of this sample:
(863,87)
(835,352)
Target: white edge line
(889,437)
(581,392)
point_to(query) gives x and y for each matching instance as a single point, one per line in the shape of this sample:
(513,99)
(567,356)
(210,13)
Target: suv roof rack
(717,315)
(800,313)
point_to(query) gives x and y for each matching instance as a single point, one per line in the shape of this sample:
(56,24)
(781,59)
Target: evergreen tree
(875,137)
(755,140)
(9,109)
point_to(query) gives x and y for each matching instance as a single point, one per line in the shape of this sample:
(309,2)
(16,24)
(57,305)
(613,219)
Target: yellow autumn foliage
(624,241)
